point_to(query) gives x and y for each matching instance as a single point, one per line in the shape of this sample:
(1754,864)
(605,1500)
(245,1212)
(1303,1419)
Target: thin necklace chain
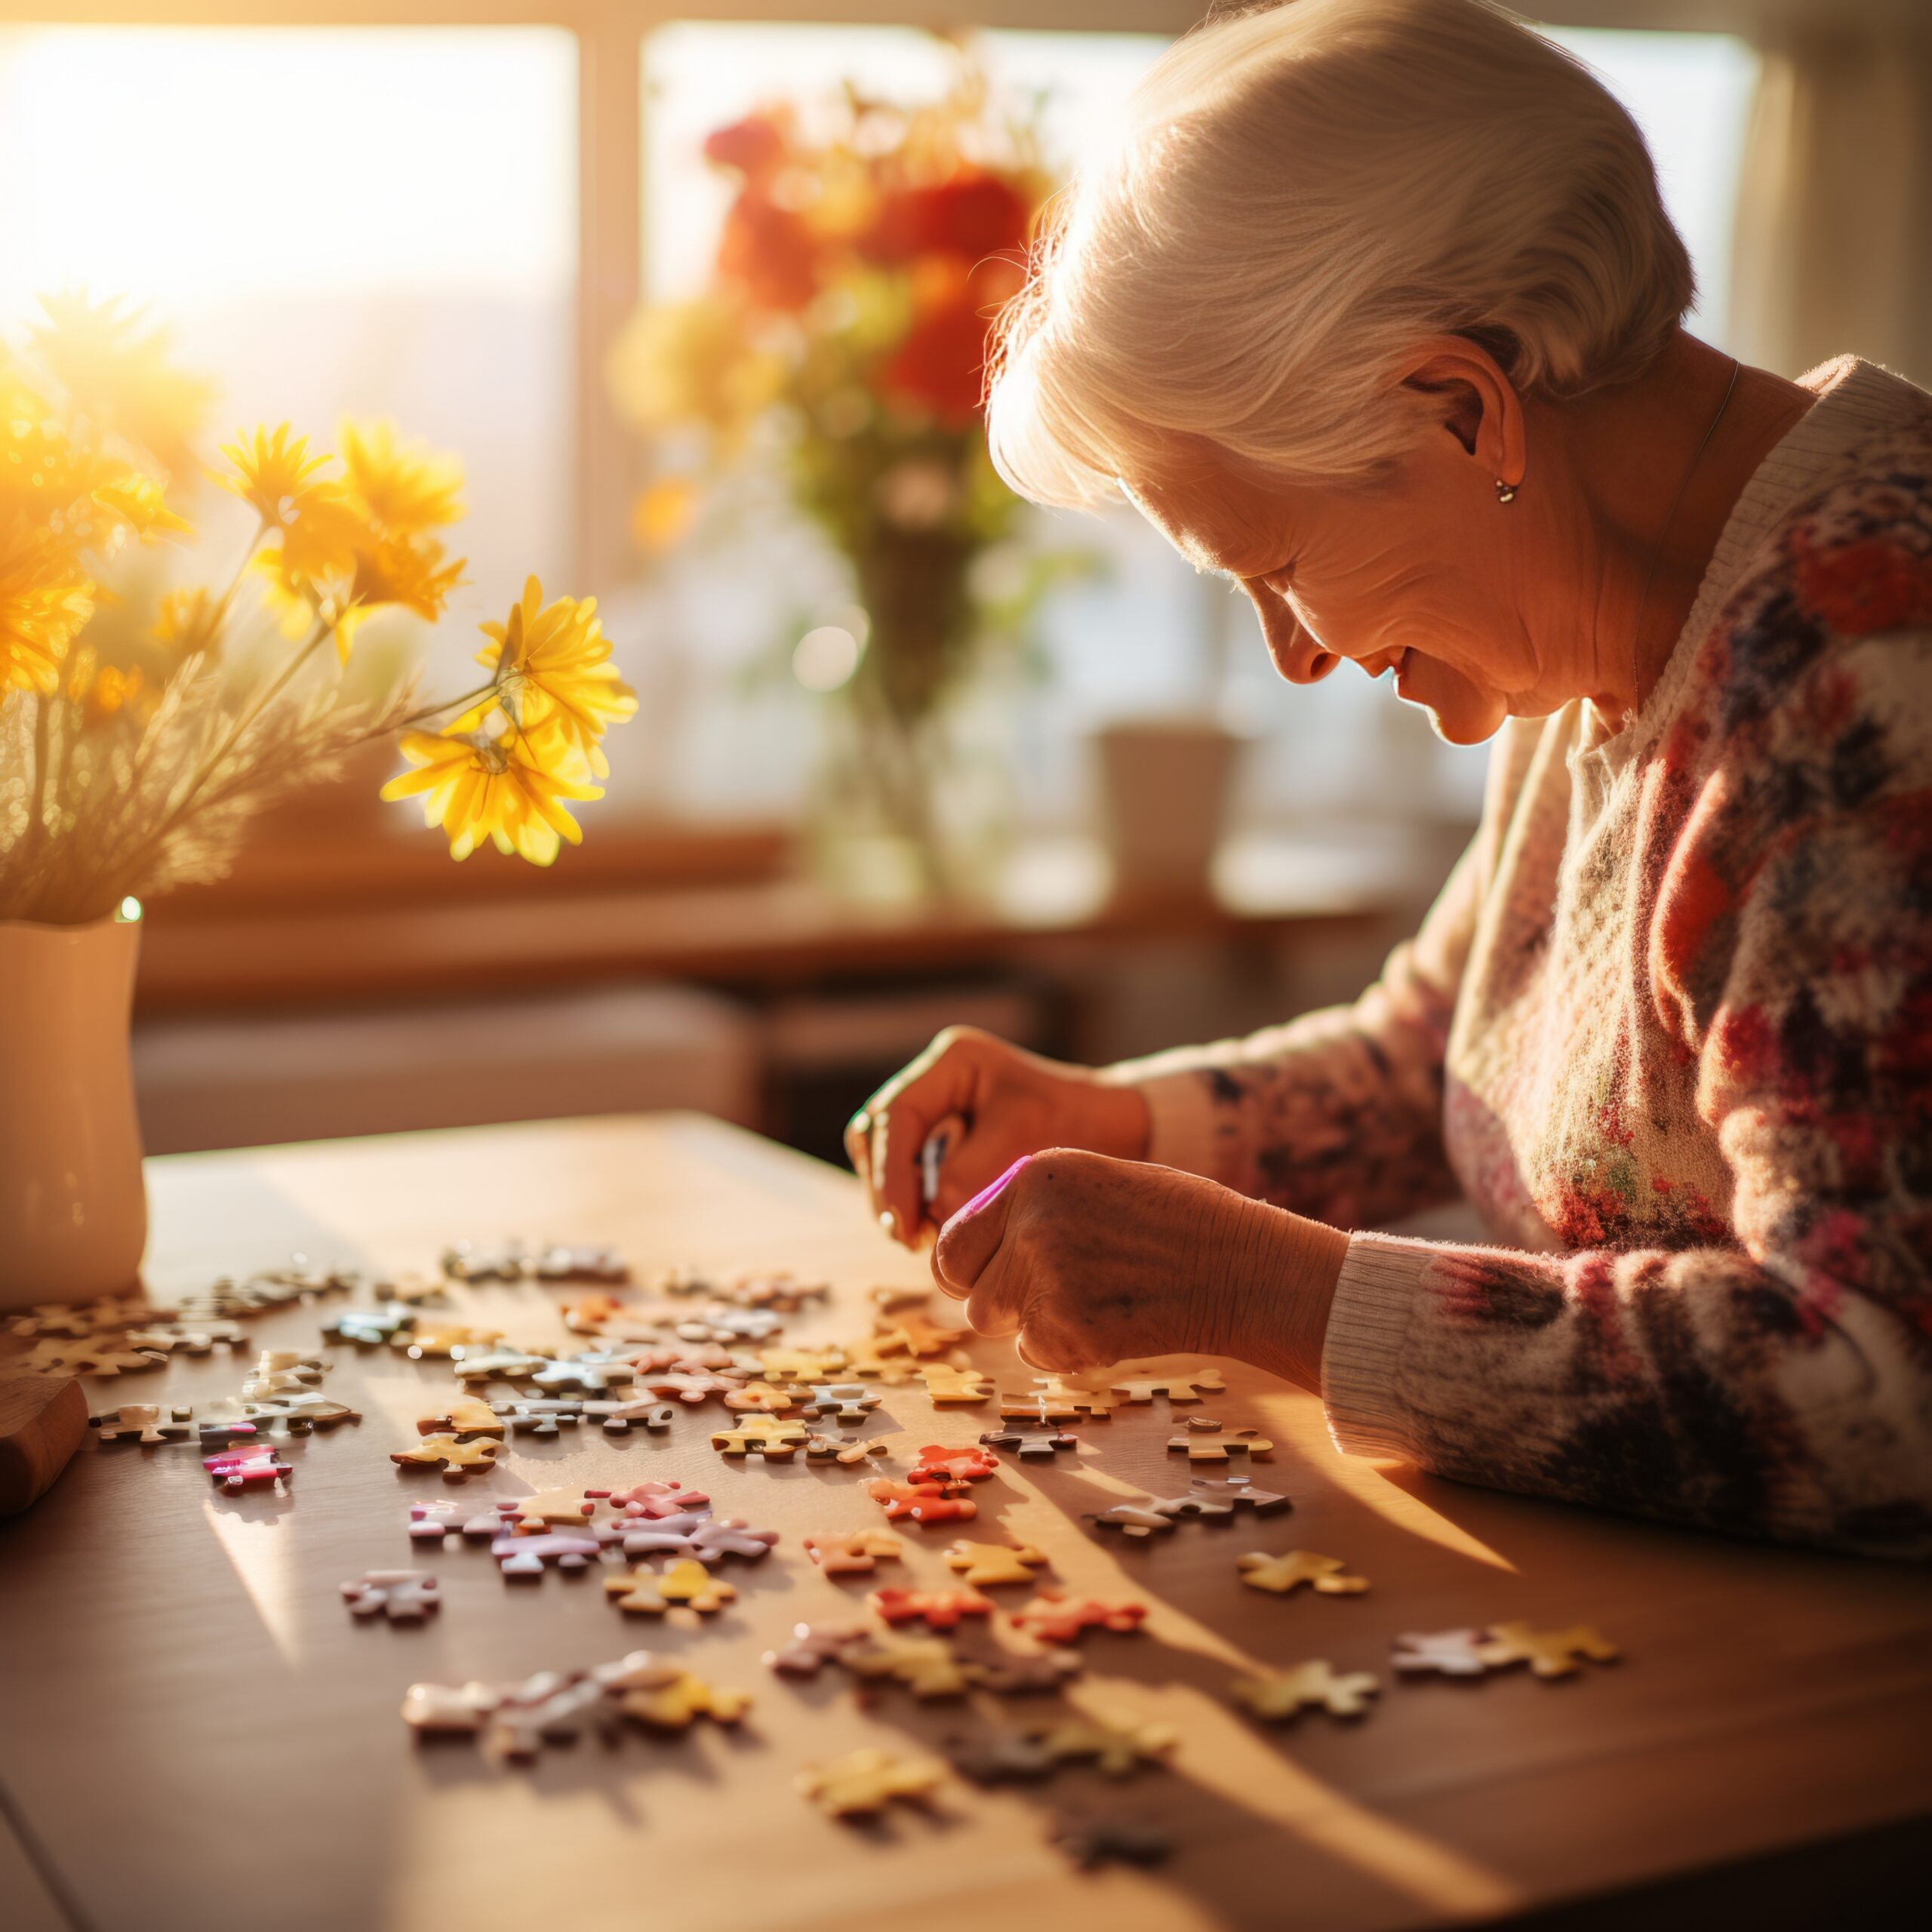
(1670,518)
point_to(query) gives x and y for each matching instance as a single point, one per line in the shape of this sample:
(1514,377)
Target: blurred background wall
(446,214)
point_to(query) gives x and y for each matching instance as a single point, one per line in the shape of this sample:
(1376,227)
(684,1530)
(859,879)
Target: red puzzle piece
(941,1609)
(922,1505)
(1059,1620)
(941,1468)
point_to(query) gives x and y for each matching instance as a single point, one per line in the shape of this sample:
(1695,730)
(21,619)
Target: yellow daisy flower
(510,789)
(188,621)
(141,503)
(114,368)
(101,691)
(553,670)
(273,473)
(45,599)
(350,548)
(685,361)
(402,488)
(80,497)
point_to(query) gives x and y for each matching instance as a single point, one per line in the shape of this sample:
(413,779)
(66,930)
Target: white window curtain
(1834,240)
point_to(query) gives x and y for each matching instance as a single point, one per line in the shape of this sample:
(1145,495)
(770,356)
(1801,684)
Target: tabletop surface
(197,1733)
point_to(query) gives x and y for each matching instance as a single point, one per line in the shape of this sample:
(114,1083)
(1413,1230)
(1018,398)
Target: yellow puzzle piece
(1294,1568)
(1279,1696)
(980,1563)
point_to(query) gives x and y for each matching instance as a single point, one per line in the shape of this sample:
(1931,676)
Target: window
(336,221)
(387,220)
(1149,635)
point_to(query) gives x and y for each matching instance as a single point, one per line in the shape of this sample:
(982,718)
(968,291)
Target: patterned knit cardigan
(1670,1028)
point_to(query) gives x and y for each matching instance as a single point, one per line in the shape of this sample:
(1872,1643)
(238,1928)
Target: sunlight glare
(261,1556)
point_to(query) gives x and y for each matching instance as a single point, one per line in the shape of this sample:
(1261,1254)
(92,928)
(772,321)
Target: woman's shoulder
(1837,592)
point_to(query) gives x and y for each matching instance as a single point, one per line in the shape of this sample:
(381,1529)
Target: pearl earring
(1505,493)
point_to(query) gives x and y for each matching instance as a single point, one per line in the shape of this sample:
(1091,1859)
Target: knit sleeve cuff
(1361,1356)
(1180,1115)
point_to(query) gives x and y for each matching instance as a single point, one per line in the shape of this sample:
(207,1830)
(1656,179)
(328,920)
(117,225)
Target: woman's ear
(1478,403)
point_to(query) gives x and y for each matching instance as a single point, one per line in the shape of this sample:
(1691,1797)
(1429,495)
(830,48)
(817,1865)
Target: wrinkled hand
(1087,1260)
(1011,1102)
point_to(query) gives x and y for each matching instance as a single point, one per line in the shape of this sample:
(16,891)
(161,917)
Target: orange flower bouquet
(866,254)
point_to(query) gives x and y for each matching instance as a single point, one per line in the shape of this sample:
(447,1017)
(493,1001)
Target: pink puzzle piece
(525,1556)
(404,1596)
(658,1499)
(709,1538)
(237,1469)
(430,1522)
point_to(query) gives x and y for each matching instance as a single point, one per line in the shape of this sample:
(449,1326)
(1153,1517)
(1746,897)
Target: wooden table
(196,1734)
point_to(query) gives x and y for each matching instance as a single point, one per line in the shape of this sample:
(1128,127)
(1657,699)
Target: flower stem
(173,818)
(429,711)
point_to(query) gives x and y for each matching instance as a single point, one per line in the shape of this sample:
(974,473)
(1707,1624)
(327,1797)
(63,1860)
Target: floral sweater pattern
(1669,1027)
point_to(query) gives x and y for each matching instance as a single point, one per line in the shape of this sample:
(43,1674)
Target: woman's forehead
(1219,520)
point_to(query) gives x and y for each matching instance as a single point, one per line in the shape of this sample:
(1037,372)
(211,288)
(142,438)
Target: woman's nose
(1298,655)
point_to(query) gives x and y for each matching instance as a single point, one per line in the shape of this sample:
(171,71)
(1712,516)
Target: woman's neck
(1660,495)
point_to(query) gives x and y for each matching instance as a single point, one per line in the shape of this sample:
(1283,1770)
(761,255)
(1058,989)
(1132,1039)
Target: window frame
(609,35)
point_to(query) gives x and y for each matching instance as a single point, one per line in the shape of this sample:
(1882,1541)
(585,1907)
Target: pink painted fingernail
(989,1193)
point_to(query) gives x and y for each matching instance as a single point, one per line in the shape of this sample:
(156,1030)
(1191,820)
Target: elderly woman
(1376,312)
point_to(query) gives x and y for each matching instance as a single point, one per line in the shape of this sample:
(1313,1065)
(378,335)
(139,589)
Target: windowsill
(395,922)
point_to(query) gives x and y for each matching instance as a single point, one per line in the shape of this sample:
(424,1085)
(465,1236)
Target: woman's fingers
(941,1082)
(859,1145)
(968,1242)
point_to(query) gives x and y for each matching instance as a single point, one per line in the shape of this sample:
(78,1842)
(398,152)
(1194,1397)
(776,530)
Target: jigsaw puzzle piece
(1031,1448)
(658,1497)
(144,1422)
(1209,1446)
(686,1581)
(939,1610)
(403,1596)
(852,1552)
(456,1459)
(768,1436)
(925,1666)
(1548,1653)
(1056,1618)
(665,1696)
(463,1417)
(950,1470)
(984,1565)
(847,1449)
(619,1418)
(563,1261)
(1281,1696)
(812,1646)
(946,1385)
(862,1783)
(1114,1750)
(918,1504)
(1176,1388)
(235,1470)
(1135,1521)
(847,1403)
(519,1555)
(1283,1574)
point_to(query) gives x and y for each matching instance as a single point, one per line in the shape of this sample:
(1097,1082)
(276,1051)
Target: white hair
(1300,195)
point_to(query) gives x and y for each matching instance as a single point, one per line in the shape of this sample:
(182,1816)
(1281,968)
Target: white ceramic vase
(1165,785)
(73,1207)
